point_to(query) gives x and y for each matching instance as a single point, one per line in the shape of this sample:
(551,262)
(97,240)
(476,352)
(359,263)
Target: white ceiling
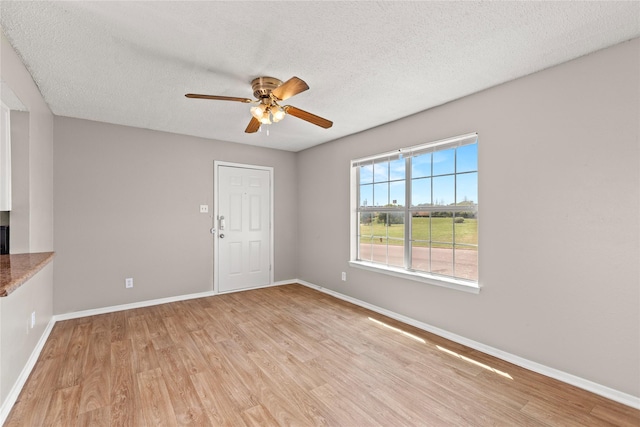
(367,63)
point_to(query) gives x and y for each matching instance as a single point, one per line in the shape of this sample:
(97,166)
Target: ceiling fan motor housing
(262,86)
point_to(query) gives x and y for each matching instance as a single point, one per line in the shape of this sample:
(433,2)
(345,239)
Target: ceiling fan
(269,91)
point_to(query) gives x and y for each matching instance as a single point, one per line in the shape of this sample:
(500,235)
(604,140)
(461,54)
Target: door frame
(215,216)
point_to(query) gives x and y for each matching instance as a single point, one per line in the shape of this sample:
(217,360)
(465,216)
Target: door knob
(222,236)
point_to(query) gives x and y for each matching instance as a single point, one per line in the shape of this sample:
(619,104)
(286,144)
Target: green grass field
(440,230)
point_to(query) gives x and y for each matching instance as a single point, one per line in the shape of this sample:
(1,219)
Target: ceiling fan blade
(311,118)
(219,98)
(291,87)
(253,125)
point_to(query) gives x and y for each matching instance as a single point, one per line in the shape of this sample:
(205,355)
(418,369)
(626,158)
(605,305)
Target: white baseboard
(149,303)
(12,397)
(270,285)
(609,393)
(140,304)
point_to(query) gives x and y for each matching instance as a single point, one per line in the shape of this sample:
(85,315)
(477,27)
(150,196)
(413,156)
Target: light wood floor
(285,355)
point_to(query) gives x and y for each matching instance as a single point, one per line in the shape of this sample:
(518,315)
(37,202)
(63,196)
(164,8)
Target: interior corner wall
(32,160)
(31,221)
(127,205)
(558,221)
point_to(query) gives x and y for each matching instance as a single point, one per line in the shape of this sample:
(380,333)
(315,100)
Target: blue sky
(383,182)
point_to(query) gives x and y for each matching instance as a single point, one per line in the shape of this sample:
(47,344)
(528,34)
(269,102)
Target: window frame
(406,210)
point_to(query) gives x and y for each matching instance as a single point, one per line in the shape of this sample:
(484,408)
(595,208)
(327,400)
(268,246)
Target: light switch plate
(204,208)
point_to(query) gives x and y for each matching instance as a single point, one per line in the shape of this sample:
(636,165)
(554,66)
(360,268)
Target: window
(416,212)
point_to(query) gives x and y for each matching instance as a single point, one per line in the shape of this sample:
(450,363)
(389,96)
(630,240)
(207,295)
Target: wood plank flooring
(286,355)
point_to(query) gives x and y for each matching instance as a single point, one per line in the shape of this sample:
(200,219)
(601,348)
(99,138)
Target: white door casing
(243,215)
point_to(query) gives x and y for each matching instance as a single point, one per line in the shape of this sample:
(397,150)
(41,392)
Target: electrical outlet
(204,208)
(33,319)
(344,276)
(128,282)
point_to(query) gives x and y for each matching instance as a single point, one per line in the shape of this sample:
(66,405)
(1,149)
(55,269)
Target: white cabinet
(5,158)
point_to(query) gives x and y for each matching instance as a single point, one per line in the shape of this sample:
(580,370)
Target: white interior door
(243,214)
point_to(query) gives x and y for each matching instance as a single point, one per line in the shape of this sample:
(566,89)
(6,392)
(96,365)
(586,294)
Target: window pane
(379,249)
(365,238)
(443,205)
(396,225)
(395,232)
(420,236)
(466,229)
(395,255)
(442,260)
(467,158)
(420,257)
(397,191)
(466,263)
(421,166)
(443,162)
(381,194)
(366,249)
(442,227)
(467,189)
(366,195)
(393,221)
(366,223)
(381,171)
(397,169)
(420,228)
(366,174)
(443,190)
(421,192)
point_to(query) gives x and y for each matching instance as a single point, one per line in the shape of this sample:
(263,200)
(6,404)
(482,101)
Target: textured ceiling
(367,63)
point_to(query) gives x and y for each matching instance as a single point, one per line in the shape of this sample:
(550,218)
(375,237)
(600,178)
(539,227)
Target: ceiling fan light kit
(269,91)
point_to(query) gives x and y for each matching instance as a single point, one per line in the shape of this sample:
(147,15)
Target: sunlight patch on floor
(475,362)
(406,334)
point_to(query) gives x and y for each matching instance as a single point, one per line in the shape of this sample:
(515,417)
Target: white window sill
(450,283)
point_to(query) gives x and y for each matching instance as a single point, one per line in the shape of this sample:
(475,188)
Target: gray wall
(18,338)
(31,158)
(558,227)
(127,205)
(31,219)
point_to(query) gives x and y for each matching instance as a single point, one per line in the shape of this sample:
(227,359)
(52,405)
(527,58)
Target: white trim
(149,303)
(609,393)
(12,397)
(5,158)
(445,282)
(269,285)
(425,147)
(140,304)
(9,98)
(406,210)
(270,169)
